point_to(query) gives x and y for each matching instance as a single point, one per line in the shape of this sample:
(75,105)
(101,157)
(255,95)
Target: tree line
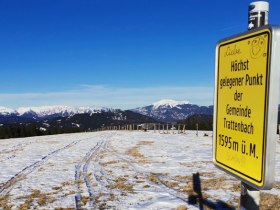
(200,121)
(89,123)
(31,129)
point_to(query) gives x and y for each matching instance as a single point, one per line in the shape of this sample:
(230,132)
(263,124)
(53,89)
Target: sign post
(246,106)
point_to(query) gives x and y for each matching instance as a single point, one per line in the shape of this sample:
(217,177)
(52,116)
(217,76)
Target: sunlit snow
(115,170)
(168,103)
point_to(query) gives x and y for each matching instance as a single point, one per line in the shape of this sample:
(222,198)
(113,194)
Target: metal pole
(258,14)
(279,131)
(250,198)
(257,17)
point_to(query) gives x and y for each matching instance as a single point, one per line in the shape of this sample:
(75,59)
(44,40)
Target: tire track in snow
(160,187)
(81,169)
(16,147)
(6,186)
(10,153)
(86,176)
(100,175)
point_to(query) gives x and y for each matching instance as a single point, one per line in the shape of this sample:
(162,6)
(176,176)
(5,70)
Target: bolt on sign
(246,105)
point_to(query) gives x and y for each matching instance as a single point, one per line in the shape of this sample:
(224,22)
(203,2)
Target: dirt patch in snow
(122,184)
(4,202)
(36,198)
(135,152)
(269,201)
(110,162)
(182,207)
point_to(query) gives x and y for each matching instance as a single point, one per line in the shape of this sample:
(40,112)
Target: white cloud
(106,96)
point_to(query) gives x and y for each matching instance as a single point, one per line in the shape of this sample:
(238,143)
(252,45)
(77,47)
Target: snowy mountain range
(167,110)
(26,114)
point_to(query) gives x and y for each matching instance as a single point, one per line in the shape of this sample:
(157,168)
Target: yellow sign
(242,75)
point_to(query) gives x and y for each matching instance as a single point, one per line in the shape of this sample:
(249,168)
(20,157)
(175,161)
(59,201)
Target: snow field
(116,170)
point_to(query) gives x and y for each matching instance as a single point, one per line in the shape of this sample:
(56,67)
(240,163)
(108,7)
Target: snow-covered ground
(118,170)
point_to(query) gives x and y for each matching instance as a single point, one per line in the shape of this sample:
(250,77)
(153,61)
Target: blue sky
(114,53)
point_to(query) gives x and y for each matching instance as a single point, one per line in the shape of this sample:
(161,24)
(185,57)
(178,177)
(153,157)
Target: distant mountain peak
(169,103)
(167,110)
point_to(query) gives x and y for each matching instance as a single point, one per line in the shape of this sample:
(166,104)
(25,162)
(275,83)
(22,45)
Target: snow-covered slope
(119,170)
(171,111)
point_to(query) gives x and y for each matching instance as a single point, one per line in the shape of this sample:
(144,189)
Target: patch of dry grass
(41,169)
(111,162)
(215,183)
(270,201)
(183,178)
(63,184)
(4,202)
(103,202)
(85,199)
(42,199)
(98,197)
(135,152)
(171,184)
(153,178)
(112,197)
(50,164)
(122,184)
(38,197)
(182,207)
(57,188)
(145,142)
(276,185)
(188,188)
(209,181)
(66,183)
(71,192)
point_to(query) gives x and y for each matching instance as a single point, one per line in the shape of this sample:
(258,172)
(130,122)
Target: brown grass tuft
(188,188)
(134,152)
(121,184)
(36,196)
(85,199)
(182,207)
(153,178)
(145,142)
(110,162)
(4,200)
(269,201)
(57,188)
(71,192)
